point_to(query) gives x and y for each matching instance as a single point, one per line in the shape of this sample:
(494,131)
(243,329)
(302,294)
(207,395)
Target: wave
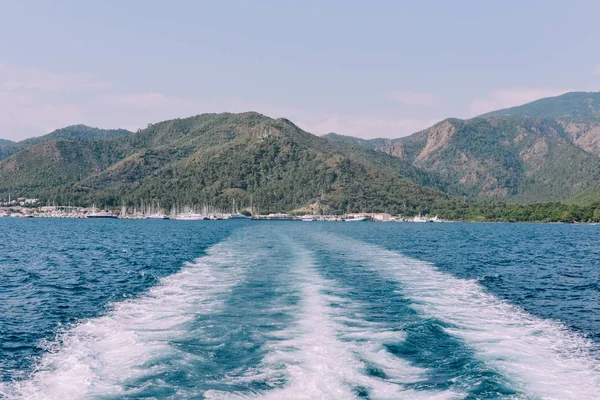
(327,353)
(102,356)
(306,338)
(542,358)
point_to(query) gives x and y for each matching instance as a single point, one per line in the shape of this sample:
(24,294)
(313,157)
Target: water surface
(263,309)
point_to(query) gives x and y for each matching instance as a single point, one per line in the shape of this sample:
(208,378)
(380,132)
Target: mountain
(6,148)
(77,132)
(573,105)
(548,150)
(73,132)
(372,144)
(389,146)
(545,151)
(215,158)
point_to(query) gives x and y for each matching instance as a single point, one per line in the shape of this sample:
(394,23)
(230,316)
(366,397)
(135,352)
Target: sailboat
(235,214)
(419,218)
(155,212)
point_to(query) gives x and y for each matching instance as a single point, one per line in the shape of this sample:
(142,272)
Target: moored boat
(102,214)
(157,216)
(237,216)
(190,216)
(356,219)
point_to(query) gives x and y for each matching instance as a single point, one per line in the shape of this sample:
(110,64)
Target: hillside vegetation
(545,151)
(73,132)
(215,158)
(532,162)
(573,105)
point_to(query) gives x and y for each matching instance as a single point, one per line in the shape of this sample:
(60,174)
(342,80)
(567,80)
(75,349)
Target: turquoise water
(295,310)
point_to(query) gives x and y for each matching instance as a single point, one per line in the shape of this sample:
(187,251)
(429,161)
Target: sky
(366,69)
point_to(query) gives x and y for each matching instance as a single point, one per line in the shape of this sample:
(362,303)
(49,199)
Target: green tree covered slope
(548,150)
(214,158)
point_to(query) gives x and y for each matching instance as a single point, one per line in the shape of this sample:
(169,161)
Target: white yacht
(308,218)
(157,216)
(102,214)
(237,216)
(190,216)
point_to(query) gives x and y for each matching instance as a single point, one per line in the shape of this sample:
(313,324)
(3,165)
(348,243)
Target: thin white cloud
(142,100)
(15,79)
(411,98)
(139,109)
(365,126)
(35,102)
(504,98)
(23,115)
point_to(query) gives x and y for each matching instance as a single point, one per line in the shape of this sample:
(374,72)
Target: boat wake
(262,316)
(330,349)
(102,356)
(542,358)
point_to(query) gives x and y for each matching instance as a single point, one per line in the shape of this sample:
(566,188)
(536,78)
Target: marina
(191,214)
(152,210)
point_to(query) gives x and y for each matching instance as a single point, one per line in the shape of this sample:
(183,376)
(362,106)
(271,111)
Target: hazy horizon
(380,70)
(247,111)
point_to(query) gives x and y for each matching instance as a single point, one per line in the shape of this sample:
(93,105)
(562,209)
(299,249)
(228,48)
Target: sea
(139,309)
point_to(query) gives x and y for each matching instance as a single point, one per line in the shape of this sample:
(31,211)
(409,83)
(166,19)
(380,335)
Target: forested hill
(6,148)
(545,151)
(77,132)
(214,158)
(73,132)
(573,105)
(371,144)
(548,150)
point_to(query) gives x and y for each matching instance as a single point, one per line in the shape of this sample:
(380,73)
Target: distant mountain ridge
(371,144)
(73,132)
(547,150)
(78,132)
(572,105)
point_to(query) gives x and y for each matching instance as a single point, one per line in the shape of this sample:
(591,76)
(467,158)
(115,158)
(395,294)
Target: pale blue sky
(369,69)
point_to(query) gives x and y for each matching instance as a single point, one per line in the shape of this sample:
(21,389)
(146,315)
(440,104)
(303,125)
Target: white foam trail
(96,357)
(322,358)
(543,358)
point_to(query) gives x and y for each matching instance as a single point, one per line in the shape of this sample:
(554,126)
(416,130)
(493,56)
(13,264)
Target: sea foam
(542,358)
(99,356)
(325,354)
